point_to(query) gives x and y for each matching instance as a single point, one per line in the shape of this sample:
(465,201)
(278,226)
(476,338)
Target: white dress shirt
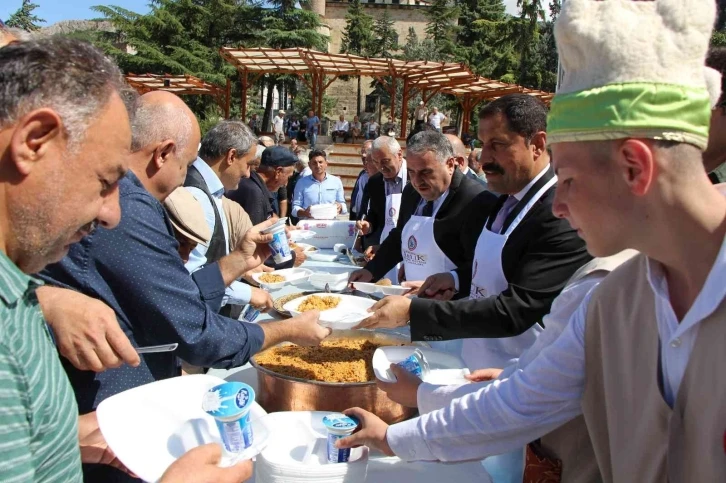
(341,126)
(278,124)
(509,413)
(237,292)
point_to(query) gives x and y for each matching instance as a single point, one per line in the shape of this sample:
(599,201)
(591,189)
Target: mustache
(493,167)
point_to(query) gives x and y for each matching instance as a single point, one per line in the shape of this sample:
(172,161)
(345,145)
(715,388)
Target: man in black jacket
(433,210)
(383,192)
(257,193)
(356,197)
(521,260)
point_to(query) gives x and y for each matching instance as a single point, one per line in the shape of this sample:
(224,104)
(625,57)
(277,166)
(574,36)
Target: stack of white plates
(297,453)
(324,212)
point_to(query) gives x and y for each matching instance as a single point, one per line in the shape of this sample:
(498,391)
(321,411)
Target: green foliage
(483,42)
(23,18)
(358,33)
(441,26)
(385,39)
(718,39)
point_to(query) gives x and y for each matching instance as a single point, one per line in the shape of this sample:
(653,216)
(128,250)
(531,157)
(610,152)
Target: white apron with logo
(393,207)
(422,258)
(488,280)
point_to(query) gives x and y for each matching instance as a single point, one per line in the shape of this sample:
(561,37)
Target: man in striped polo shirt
(64,144)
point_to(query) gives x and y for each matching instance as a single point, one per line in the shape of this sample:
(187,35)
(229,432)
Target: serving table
(381,468)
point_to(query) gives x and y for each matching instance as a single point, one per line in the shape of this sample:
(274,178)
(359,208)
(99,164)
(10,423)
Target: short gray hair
(67,75)
(225,136)
(156,122)
(387,142)
(430,141)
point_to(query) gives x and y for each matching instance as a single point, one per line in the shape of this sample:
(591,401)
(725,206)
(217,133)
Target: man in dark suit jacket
(459,191)
(538,257)
(388,158)
(357,209)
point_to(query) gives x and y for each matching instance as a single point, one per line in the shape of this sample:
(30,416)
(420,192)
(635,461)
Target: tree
(23,18)
(526,39)
(441,26)
(482,41)
(548,49)
(385,39)
(357,37)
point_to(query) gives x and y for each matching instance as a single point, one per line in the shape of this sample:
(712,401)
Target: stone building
(405,14)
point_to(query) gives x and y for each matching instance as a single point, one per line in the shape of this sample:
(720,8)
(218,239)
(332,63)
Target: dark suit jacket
(353,214)
(254,197)
(447,225)
(375,194)
(540,255)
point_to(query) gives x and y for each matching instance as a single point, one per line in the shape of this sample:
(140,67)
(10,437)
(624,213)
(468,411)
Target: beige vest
(636,436)
(570,443)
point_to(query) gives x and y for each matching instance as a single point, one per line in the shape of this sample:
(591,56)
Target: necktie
(503,212)
(428,209)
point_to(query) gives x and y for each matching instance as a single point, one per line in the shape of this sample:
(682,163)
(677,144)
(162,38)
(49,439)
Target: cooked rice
(384,282)
(271,278)
(315,302)
(344,360)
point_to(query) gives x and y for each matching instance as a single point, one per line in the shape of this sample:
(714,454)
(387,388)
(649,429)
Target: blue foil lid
(228,400)
(340,422)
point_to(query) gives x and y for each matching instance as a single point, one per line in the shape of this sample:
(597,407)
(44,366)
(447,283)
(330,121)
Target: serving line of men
(433,208)
(64,146)
(318,188)
(640,357)
(521,255)
(136,270)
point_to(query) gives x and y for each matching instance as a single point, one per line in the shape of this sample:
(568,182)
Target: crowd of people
(574,260)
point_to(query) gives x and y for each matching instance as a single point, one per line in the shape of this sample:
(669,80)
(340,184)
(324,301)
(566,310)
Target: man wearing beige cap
(278,126)
(187,217)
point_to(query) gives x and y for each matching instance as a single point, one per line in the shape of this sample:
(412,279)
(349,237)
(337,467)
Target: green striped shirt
(38,411)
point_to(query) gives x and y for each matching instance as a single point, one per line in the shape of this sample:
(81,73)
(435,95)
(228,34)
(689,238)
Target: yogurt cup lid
(228,400)
(340,423)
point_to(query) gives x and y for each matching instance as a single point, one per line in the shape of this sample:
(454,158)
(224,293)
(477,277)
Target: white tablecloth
(381,468)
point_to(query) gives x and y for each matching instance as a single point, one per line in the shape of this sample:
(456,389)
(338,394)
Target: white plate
(296,235)
(292,275)
(150,426)
(307,248)
(385,290)
(322,257)
(299,446)
(444,368)
(349,312)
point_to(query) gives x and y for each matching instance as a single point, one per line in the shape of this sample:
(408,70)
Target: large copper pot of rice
(280,392)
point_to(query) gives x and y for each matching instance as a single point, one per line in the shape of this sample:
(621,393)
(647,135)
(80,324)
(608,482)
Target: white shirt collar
(526,189)
(214,184)
(437,202)
(710,296)
(466,171)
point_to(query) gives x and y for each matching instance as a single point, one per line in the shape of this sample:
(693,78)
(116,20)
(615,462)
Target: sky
(53,11)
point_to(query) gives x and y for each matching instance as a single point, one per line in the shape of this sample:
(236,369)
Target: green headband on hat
(631,110)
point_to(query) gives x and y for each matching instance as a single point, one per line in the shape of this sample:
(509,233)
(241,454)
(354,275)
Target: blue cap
(339,422)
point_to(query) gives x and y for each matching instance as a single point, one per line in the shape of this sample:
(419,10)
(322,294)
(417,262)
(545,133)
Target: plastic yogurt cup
(229,404)
(280,246)
(249,313)
(416,364)
(339,426)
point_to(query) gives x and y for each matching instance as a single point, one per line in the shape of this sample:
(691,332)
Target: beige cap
(187,216)
(281,112)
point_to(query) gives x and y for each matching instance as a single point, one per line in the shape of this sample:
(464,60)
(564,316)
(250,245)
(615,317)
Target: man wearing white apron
(519,263)
(427,238)
(384,193)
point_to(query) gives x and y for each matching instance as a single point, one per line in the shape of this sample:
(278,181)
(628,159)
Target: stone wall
(404,16)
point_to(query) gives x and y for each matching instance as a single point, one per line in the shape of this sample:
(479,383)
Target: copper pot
(278,392)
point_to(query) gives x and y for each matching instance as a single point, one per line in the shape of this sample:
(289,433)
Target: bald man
(137,271)
(462,159)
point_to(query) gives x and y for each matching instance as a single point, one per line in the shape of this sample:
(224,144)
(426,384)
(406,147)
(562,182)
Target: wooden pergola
(181,85)
(322,69)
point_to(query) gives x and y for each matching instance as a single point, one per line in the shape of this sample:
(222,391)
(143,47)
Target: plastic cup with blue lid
(280,245)
(415,364)
(229,404)
(339,426)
